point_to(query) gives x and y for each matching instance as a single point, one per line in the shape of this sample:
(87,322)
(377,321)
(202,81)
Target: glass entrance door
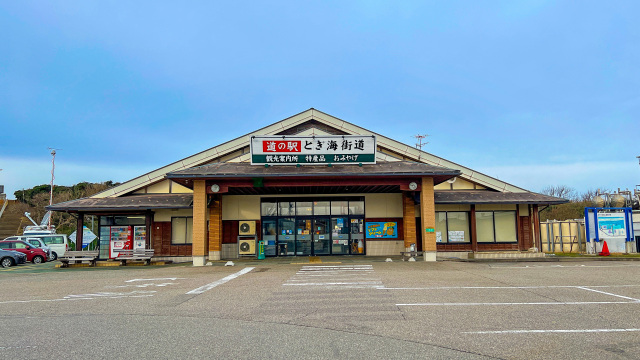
(340,235)
(303,236)
(356,243)
(321,236)
(286,237)
(269,237)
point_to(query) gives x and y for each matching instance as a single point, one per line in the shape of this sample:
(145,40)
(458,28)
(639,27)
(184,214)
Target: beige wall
(165,187)
(240,207)
(460,184)
(383,205)
(179,189)
(167,214)
(160,188)
(524,209)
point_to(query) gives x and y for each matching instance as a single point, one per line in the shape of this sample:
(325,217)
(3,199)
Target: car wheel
(54,256)
(37,260)
(6,262)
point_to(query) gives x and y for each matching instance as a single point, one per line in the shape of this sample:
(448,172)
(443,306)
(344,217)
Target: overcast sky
(535,93)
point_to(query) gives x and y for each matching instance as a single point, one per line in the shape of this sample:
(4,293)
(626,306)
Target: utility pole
(53,168)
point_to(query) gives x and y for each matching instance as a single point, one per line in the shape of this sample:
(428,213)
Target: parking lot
(341,308)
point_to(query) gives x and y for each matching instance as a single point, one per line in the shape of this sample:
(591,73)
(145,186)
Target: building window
(452,227)
(181,230)
(496,226)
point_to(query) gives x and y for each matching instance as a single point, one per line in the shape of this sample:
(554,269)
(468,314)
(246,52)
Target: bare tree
(561,191)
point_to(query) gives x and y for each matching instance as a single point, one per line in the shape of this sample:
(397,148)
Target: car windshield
(35,243)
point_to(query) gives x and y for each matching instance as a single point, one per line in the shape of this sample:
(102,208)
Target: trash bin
(261,250)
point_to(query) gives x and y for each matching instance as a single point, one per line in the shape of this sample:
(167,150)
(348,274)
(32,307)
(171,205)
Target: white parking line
(337,283)
(560,266)
(550,331)
(505,287)
(210,286)
(171,278)
(606,293)
(524,303)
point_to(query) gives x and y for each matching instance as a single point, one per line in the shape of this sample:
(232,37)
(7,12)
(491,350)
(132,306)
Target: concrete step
(508,255)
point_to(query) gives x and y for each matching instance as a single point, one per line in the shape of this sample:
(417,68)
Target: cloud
(25,173)
(581,176)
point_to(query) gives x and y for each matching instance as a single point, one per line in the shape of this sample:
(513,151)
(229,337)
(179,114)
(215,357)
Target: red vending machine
(120,239)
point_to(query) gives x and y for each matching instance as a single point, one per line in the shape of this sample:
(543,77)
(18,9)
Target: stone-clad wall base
(385,247)
(229,251)
(507,255)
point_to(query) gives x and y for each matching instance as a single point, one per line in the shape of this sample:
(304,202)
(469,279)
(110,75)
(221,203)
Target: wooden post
(215,228)
(428,219)
(536,227)
(79,231)
(200,245)
(474,229)
(409,220)
(148,219)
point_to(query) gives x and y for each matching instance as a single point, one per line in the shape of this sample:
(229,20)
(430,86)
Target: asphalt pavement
(351,307)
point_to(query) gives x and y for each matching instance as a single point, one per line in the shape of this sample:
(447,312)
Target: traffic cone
(605,249)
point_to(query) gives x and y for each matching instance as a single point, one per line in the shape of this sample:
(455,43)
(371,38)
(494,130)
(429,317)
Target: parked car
(37,242)
(11,258)
(34,254)
(57,242)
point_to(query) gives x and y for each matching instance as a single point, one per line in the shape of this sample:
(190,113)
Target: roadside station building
(313,185)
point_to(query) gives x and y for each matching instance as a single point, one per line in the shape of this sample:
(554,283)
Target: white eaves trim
(241,142)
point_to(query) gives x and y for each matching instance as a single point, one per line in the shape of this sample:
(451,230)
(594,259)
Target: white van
(58,243)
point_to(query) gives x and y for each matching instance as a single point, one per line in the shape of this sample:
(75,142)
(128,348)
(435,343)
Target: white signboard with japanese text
(310,150)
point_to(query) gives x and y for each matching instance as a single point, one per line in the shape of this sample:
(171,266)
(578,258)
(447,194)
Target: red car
(34,254)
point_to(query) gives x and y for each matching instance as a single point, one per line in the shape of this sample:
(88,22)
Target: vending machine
(139,237)
(120,239)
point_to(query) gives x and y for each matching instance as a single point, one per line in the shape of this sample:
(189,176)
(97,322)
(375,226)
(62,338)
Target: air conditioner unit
(247,247)
(247,228)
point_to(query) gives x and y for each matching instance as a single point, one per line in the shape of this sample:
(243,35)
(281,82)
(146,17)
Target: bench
(135,255)
(78,257)
(406,255)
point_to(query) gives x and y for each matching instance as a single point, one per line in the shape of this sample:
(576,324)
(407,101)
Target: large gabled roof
(291,123)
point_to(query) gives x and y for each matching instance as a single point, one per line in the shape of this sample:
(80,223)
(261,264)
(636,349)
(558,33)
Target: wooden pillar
(79,231)
(535,215)
(474,229)
(519,238)
(148,219)
(428,219)
(409,219)
(200,246)
(215,228)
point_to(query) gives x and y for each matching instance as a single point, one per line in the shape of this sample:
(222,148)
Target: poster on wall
(382,230)
(438,236)
(456,236)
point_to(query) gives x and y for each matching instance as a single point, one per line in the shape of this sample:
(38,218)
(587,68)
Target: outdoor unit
(247,228)
(246,247)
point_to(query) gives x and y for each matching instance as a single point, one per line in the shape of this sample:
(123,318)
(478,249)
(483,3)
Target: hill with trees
(35,199)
